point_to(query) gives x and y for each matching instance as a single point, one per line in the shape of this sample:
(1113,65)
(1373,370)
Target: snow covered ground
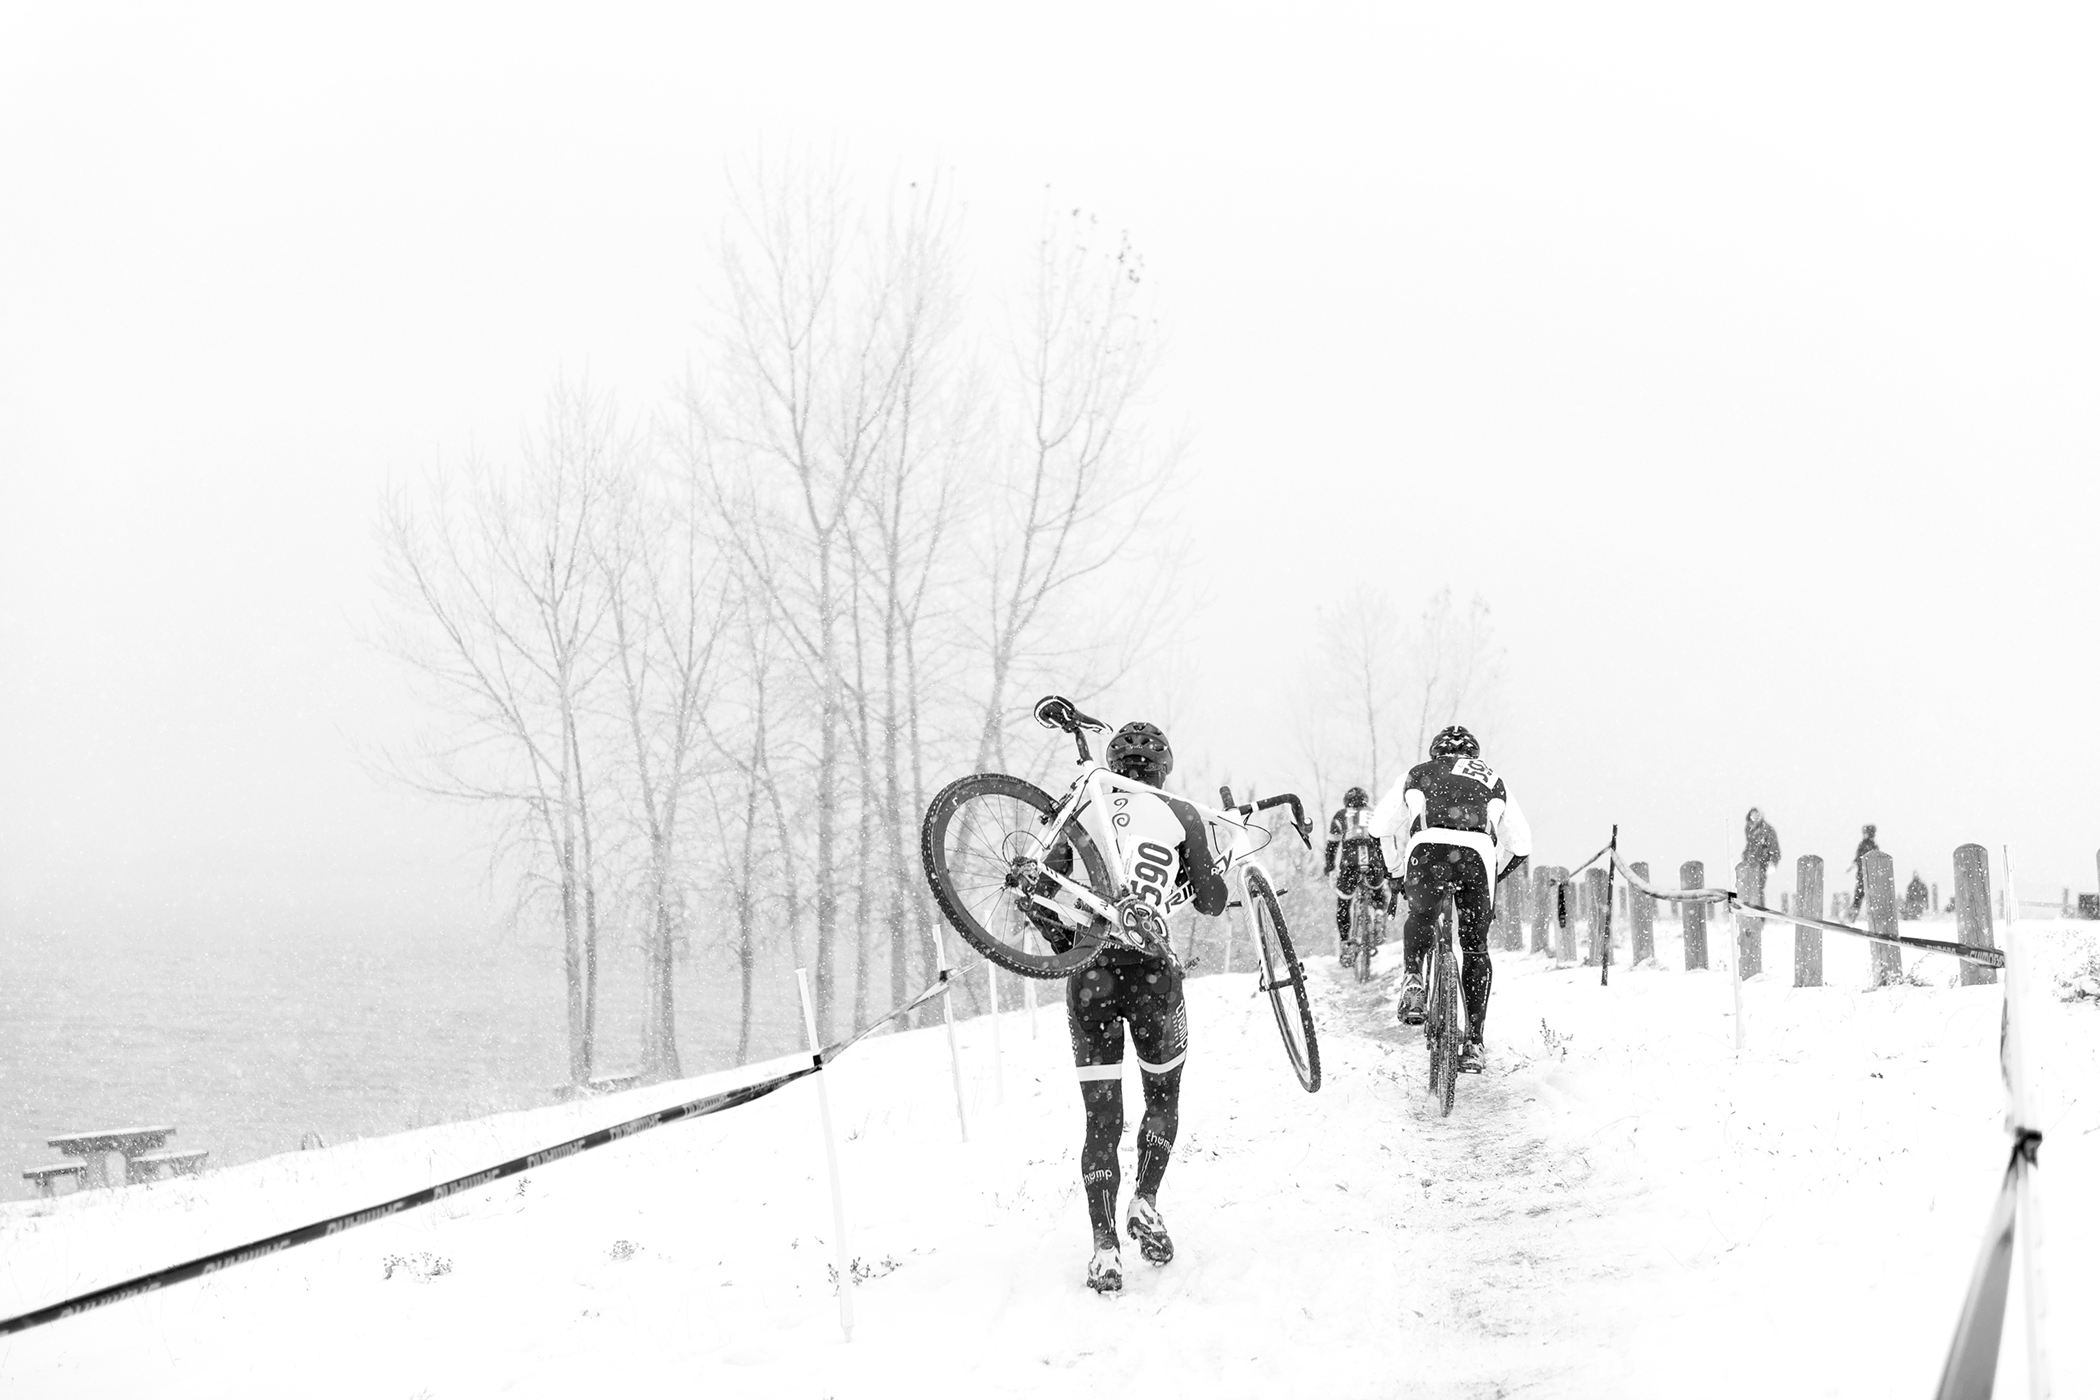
(1621,1205)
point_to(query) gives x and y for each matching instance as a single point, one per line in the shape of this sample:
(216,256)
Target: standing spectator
(1859,863)
(1760,853)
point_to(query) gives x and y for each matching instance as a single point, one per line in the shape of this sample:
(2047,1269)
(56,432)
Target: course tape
(1702,895)
(335,1225)
(1972,1357)
(1967,952)
(832,1052)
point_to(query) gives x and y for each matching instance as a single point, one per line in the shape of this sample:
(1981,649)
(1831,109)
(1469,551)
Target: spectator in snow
(1859,864)
(1760,853)
(1916,897)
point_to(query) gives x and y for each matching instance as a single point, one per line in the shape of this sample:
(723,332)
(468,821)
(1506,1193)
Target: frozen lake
(248,1041)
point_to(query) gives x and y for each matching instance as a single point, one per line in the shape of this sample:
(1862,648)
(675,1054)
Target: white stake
(831,1158)
(1734,938)
(2019,1082)
(991,977)
(940,953)
(1028,989)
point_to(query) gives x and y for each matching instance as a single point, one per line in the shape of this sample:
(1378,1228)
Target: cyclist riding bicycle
(1127,988)
(1455,808)
(1360,858)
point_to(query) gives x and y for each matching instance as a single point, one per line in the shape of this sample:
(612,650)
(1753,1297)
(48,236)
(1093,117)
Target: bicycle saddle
(1056,712)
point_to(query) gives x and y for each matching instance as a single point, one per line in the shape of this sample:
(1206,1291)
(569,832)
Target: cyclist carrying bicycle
(1127,988)
(1461,823)
(1358,856)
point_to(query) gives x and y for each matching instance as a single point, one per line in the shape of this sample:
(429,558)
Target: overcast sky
(1747,366)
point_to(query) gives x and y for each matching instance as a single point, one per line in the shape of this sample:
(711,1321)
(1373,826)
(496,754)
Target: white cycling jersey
(1455,802)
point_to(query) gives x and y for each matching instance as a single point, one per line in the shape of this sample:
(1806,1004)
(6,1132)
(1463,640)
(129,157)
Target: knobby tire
(1444,1013)
(965,846)
(1360,932)
(1284,978)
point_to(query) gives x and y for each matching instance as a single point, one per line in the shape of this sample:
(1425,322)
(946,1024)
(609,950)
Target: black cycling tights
(1433,868)
(1099,1002)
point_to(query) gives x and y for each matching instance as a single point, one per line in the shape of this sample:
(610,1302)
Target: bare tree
(810,360)
(500,612)
(664,593)
(1360,643)
(1077,483)
(1453,666)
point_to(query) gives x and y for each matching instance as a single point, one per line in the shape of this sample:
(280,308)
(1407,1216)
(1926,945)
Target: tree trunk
(827,795)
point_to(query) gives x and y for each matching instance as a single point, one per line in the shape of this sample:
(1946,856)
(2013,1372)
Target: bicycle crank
(1142,925)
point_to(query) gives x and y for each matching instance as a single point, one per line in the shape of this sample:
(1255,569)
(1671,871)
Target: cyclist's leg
(1427,879)
(1344,887)
(1091,1011)
(1476,912)
(1159,1034)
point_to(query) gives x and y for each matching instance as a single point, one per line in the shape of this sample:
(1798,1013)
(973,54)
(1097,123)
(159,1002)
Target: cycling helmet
(1140,750)
(1454,742)
(1356,797)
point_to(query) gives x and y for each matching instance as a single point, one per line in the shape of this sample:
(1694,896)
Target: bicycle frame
(1088,803)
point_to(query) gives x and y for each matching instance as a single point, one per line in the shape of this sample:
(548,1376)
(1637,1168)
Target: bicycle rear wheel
(1445,1027)
(1284,980)
(983,847)
(1361,933)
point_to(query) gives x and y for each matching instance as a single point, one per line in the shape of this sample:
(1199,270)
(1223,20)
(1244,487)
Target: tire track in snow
(1508,1229)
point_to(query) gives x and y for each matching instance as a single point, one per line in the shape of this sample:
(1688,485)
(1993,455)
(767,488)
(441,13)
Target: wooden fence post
(1498,925)
(1880,869)
(1972,908)
(1641,909)
(1691,875)
(1599,901)
(1808,942)
(1541,908)
(1565,897)
(1749,929)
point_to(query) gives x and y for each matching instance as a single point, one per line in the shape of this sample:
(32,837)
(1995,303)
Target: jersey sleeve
(1390,812)
(1513,831)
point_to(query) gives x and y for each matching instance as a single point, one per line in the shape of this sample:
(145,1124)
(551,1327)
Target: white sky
(1746,363)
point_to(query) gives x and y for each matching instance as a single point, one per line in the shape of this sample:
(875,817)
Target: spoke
(970,840)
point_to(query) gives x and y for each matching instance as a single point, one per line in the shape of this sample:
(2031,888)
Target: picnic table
(95,1148)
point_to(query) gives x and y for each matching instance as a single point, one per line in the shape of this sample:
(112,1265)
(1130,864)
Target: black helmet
(1140,750)
(1356,797)
(1454,742)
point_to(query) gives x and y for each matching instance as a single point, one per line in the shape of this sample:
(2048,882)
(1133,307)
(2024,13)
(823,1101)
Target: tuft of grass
(863,1271)
(422,1265)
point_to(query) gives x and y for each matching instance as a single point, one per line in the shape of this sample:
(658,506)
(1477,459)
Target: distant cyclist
(1359,858)
(1867,846)
(1464,832)
(1127,988)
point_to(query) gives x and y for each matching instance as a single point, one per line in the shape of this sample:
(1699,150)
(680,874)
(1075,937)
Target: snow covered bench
(47,1178)
(152,1166)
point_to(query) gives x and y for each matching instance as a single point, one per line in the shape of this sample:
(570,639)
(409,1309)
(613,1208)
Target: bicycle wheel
(1360,934)
(1284,980)
(1444,1031)
(982,843)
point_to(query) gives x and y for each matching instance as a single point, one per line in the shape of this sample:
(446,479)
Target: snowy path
(1622,1208)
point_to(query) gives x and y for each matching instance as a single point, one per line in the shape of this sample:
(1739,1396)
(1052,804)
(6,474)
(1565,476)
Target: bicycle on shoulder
(1014,871)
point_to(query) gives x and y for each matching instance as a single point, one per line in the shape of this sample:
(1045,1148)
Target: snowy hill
(1620,1206)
